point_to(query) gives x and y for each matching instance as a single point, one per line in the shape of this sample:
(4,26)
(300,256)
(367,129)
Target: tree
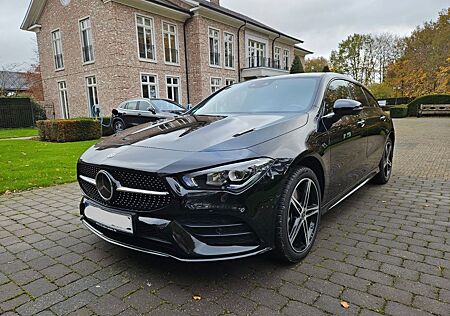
(297,66)
(388,49)
(356,57)
(381,90)
(316,64)
(424,67)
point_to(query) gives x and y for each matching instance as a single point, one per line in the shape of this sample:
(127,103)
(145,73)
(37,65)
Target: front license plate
(122,223)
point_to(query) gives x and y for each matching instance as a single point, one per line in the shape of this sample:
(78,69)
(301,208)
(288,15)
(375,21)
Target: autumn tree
(316,64)
(382,90)
(424,67)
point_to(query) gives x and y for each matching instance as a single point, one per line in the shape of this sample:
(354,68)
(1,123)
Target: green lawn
(17,132)
(26,164)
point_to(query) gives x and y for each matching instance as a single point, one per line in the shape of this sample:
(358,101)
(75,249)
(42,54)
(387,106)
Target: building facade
(98,53)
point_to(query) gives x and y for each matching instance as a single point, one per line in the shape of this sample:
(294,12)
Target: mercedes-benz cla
(250,169)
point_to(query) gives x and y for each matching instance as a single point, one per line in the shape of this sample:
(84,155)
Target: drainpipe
(273,48)
(186,61)
(239,50)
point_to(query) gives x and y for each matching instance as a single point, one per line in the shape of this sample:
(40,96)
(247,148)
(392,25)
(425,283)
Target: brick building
(101,52)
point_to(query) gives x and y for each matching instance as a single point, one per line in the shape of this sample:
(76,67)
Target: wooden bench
(433,109)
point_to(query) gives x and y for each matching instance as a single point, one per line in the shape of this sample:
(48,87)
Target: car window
(338,89)
(132,105)
(370,99)
(358,94)
(144,105)
(164,105)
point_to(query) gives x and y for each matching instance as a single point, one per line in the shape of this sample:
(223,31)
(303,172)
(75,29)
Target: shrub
(68,130)
(106,127)
(399,111)
(413,107)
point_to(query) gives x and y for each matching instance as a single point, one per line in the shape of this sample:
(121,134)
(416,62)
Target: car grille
(130,179)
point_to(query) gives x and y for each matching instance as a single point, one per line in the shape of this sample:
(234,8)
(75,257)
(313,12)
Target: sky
(321,24)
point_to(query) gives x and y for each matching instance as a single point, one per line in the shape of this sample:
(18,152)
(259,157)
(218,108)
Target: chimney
(216,2)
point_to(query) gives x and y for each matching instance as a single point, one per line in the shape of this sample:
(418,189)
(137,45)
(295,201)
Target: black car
(250,169)
(139,111)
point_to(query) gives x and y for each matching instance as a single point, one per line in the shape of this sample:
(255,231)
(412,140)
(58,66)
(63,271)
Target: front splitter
(161,254)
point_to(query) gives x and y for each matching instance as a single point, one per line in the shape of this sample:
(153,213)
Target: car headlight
(232,177)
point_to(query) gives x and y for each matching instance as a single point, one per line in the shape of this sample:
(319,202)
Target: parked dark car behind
(250,169)
(139,111)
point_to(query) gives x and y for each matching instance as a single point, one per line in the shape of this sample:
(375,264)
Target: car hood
(207,133)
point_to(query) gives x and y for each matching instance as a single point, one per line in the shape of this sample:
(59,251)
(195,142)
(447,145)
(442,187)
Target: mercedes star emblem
(104,183)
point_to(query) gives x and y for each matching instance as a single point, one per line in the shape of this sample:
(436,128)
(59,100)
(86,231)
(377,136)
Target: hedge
(106,127)
(413,107)
(399,111)
(62,131)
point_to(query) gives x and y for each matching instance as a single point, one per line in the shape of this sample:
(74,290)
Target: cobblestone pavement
(385,250)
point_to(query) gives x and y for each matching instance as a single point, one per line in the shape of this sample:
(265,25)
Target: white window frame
(218,47)
(232,42)
(90,37)
(180,94)
(215,87)
(288,56)
(55,48)
(262,50)
(229,81)
(152,28)
(177,46)
(63,99)
(277,59)
(94,86)
(156,84)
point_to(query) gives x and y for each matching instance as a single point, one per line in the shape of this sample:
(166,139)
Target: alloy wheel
(118,126)
(387,161)
(303,215)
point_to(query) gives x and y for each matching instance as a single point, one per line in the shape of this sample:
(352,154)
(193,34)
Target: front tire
(385,166)
(118,126)
(298,215)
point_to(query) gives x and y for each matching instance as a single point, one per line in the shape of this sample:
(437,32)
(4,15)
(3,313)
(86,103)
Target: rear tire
(385,166)
(298,215)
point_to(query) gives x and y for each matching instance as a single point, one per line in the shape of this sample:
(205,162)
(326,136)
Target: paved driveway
(386,249)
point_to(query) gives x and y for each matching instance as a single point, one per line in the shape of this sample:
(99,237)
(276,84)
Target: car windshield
(270,95)
(164,105)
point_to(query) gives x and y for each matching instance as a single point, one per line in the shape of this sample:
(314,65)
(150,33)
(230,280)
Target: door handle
(383,118)
(361,123)
(139,114)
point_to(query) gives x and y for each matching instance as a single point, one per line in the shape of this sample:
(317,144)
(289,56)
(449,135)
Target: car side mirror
(347,107)
(152,110)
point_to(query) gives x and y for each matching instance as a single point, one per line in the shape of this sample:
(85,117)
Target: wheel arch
(314,163)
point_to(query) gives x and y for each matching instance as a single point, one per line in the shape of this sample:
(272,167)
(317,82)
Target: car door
(363,122)
(131,116)
(146,113)
(376,129)
(346,142)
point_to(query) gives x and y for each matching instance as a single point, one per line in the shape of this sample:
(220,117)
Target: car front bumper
(170,238)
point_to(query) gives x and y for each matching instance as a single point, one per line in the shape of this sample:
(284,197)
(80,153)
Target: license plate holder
(110,220)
